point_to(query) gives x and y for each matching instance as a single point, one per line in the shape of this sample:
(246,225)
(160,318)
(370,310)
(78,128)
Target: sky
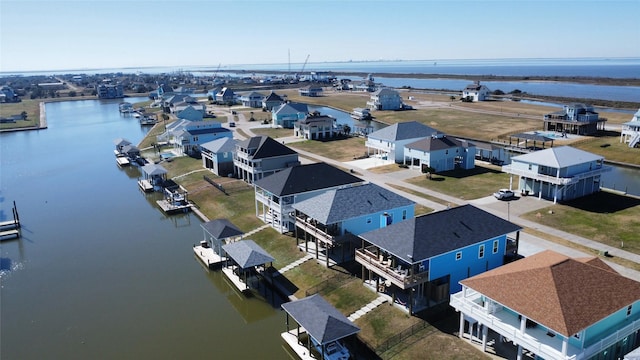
(94,34)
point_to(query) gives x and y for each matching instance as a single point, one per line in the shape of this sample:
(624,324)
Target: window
(496,244)
(629,310)
(481,252)
(458,255)
(404,214)
(530,167)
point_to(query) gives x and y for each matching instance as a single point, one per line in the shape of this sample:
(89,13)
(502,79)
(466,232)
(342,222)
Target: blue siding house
(555,307)
(287,114)
(421,261)
(333,220)
(217,155)
(440,152)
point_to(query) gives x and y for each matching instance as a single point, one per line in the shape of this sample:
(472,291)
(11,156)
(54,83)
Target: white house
(559,173)
(252,99)
(631,131)
(385,99)
(315,127)
(475,92)
(388,143)
(187,136)
(441,153)
(553,306)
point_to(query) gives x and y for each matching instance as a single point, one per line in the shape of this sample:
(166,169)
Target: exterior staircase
(634,140)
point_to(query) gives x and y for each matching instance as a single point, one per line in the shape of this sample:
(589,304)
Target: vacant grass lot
(605,217)
(273,133)
(345,149)
(465,184)
(32,108)
(611,148)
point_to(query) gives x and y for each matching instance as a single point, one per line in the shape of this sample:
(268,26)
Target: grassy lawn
(31,107)
(604,217)
(156,130)
(428,197)
(383,322)
(465,184)
(349,296)
(610,147)
(273,133)
(342,149)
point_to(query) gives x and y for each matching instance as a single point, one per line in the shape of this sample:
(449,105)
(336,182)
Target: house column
(555,195)
(511,182)
(461,331)
(485,333)
(519,353)
(565,345)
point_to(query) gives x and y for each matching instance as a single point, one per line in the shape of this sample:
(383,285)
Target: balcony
(398,276)
(315,231)
(552,179)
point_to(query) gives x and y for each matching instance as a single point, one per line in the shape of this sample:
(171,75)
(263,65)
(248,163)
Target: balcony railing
(399,277)
(313,230)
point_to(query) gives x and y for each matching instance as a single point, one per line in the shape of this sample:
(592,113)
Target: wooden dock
(235,279)
(291,339)
(9,234)
(145,185)
(170,208)
(208,256)
(122,161)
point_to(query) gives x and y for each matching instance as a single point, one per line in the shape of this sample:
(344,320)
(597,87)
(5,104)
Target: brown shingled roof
(566,295)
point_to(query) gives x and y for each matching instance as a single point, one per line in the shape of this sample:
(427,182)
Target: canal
(100,272)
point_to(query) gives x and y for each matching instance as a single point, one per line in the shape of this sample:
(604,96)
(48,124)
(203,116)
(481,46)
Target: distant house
(192,112)
(555,307)
(7,95)
(310,90)
(560,173)
(388,143)
(285,115)
(440,152)
(475,92)
(315,127)
(385,99)
(109,91)
(631,131)
(217,155)
(252,99)
(332,219)
(186,136)
(422,260)
(226,96)
(272,101)
(261,156)
(576,118)
(276,194)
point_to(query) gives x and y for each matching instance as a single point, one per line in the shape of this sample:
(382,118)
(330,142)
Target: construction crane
(305,64)
(215,74)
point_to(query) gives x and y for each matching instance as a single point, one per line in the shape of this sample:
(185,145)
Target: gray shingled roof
(433,234)
(403,131)
(321,320)
(437,143)
(220,145)
(305,178)
(154,169)
(119,142)
(221,229)
(338,205)
(246,253)
(266,147)
(558,157)
(292,107)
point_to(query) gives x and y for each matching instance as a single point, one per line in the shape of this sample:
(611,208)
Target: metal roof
(558,157)
(224,144)
(246,253)
(321,320)
(403,131)
(154,169)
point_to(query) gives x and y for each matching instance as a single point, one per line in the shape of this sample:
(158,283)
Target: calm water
(100,272)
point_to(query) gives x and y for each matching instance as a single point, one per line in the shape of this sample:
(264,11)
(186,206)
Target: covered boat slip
(154,175)
(318,319)
(215,234)
(245,259)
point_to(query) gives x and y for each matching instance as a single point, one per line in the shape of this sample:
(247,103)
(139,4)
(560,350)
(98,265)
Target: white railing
(612,339)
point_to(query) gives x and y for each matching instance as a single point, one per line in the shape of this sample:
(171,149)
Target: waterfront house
(187,136)
(285,115)
(217,155)
(310,90)
(226,96)
(219,232)
(475,92)
(260,156)
(272,101)
(315,127)
(559,173)
(388,143)
(385,99)
(579,119)
(554,306)
(110,91)
(332,220)
(7,95)
(252,99)
(324,325)
(631,131)
(441,153)
(245,261)
(421,261)
(276,194)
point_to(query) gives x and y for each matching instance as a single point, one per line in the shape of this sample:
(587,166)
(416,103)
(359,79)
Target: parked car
(503,194)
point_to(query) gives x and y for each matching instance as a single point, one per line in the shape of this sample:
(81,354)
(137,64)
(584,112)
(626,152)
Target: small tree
(452,98)
(346,129)
(429,170)
(23,115)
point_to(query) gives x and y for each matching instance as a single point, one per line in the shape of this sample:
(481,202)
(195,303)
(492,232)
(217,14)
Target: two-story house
(441,153)
(315,127)
(421,261)
(285,115)
(217,155)
(388,143)
(271,101)
(332,220)
(252,99)
(475,92)
(631,131)
(576,118)
(554,306)
(226,96)
(261,156)
(192,112)
(186,136)
(276,194)
(385,99)
(560,173)
(311,91)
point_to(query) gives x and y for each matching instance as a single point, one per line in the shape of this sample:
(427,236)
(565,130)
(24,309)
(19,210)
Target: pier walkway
(370,306)
(293,265)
